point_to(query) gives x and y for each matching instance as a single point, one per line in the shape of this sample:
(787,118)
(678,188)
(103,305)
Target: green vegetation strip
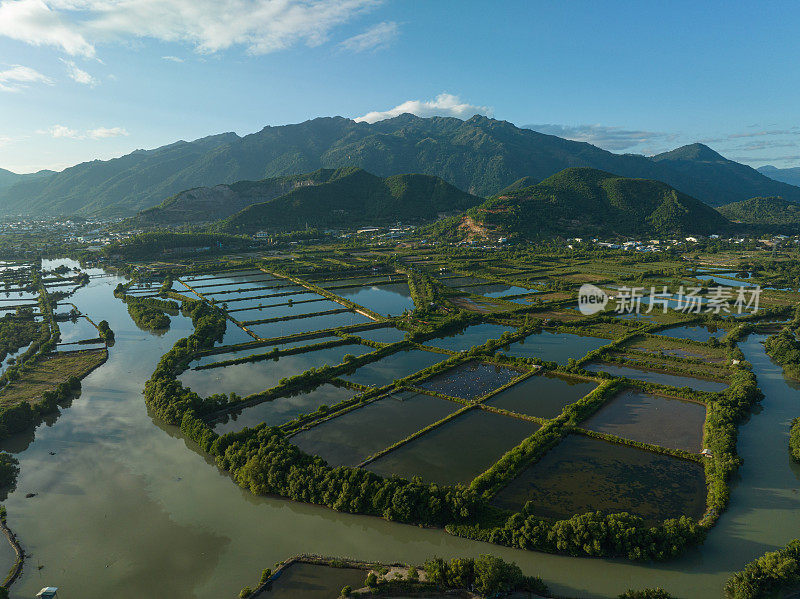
(292,316)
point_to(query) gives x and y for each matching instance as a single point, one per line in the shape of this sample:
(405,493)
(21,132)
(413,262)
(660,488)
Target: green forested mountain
(207,204)
(480,155)
(585,202)
(8,178)
(763,211)
(351,197)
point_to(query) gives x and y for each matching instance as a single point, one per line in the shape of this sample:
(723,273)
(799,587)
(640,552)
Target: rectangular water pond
(384,335)
(18,296)
(252,377)
(458,282)
(224,276)
(378,278)
(543,395)
(282,311)
(661,378)
(647,418)
(582,474)
(471,380)
(271,300)
(471,336)
(389,300)
(78,330)
(497,290)
(283,409)
(396,366)
(210,284)
(457,451)
(695,332)
(234,335)
(555,347)
(249,292)
(241,353)
(353,437)
(305,325)
(310,581)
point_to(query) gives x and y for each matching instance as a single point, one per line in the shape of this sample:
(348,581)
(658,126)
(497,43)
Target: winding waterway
(127,508)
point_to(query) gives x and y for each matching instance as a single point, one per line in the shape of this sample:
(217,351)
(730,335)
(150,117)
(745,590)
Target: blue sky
(86,79)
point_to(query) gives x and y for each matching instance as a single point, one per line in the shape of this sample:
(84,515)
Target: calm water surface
(555,347)
(648,418)
(543,395)
(128,509)
(582,474)
(662,378)
(349,439)
(458,450)
(477,334)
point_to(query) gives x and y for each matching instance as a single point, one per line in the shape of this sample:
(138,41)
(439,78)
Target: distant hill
(785,175)
(8,178)
(586,202)
(518,184)
(763,211)
(208,204)
(480,155)
(351,197)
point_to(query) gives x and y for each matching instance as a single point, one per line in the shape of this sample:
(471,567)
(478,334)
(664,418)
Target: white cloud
(610,138)
(35,22)
(103,132)
(79,75)
(443,105)
(62,131)
(260,26)
(19,77)
(375,38)
(172,58)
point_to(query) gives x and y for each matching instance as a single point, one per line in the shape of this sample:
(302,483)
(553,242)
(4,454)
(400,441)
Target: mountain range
(480,156)
(785,175)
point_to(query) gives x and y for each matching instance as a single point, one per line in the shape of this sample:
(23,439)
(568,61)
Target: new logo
(591,299)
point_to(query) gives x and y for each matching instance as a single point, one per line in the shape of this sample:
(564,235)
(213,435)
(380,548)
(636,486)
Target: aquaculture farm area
(438,388)
(466,393)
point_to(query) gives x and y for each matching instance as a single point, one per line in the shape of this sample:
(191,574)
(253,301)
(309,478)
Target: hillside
(8,178)
(207,204)
(586,202)
(785,175)
(763,211)
(352,197)
(479,155)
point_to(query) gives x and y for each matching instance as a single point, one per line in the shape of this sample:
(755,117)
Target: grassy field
(48,373)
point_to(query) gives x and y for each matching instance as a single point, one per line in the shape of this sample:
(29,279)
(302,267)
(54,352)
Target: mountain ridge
(479,155)
(791,175)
